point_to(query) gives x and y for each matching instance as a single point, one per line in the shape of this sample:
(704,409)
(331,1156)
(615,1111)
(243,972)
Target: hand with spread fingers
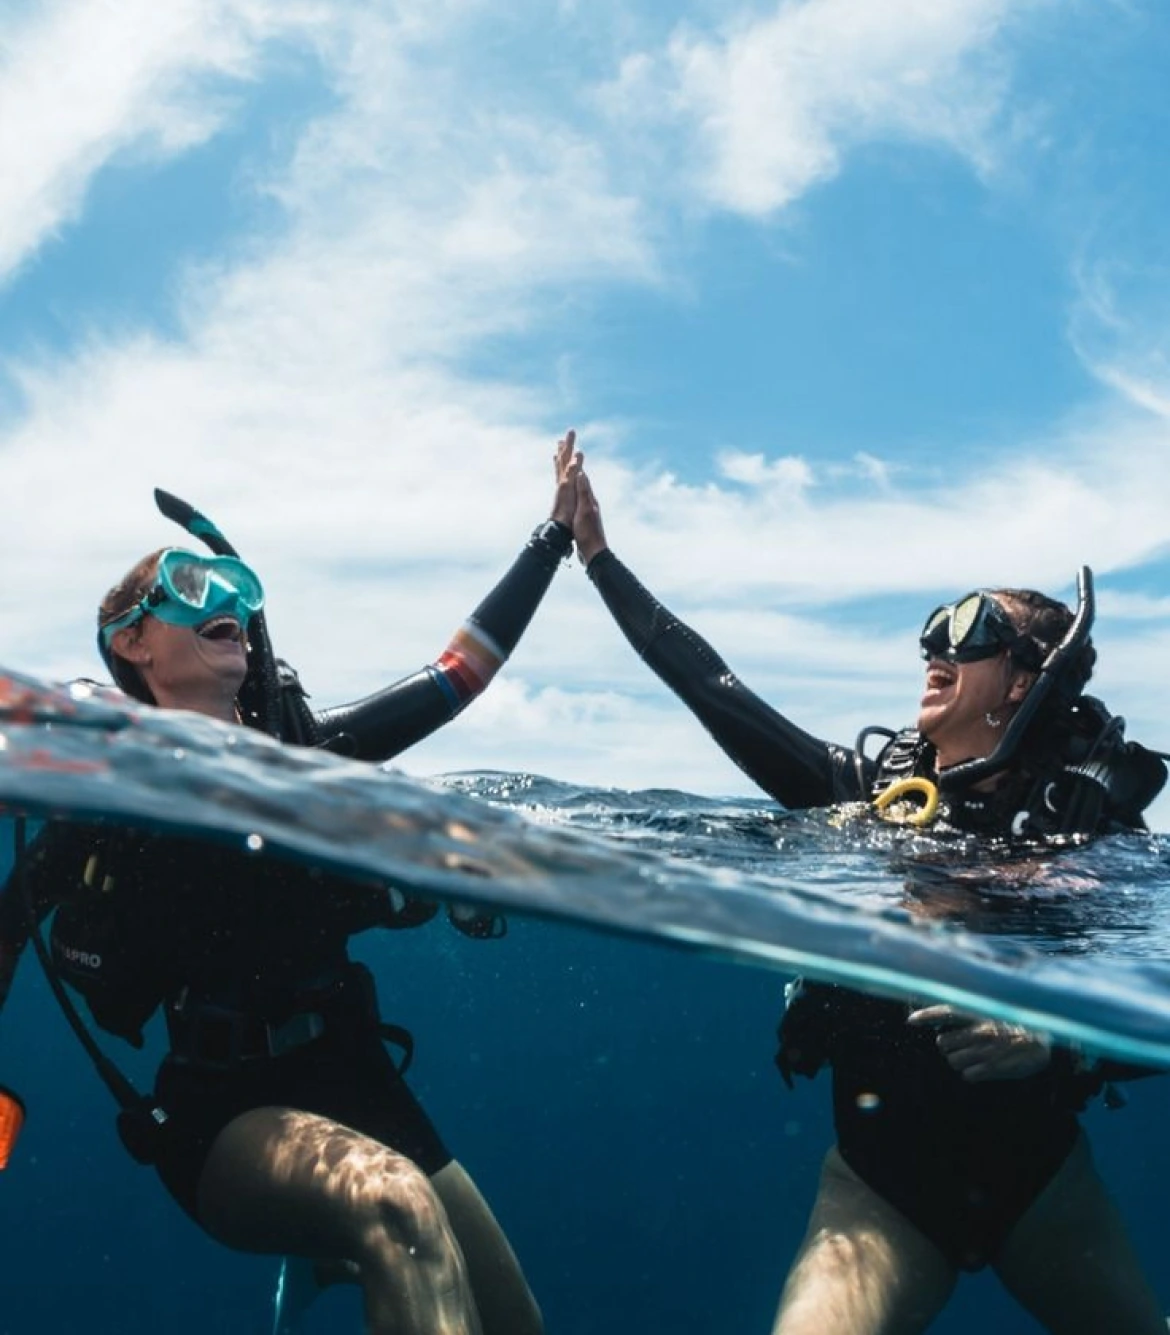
(980,1049)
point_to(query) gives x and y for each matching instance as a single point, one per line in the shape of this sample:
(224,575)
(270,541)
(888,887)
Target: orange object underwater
(11,1120)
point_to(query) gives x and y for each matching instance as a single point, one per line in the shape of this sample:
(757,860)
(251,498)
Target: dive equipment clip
(889,805)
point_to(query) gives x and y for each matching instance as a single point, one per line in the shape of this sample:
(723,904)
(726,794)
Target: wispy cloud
(769,107)
(84,80)
(1118,324)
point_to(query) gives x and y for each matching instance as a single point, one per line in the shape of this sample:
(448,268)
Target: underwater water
(605,1069)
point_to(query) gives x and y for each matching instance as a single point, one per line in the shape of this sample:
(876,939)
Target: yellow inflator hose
(883,804)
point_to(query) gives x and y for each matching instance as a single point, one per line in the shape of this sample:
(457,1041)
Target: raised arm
(385,724)
(789,764)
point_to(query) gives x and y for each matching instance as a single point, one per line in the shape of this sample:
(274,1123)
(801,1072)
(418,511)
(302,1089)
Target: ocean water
(605,1069)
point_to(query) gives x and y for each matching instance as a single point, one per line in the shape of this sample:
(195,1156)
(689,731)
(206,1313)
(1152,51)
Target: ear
(1019,686)
(128,644)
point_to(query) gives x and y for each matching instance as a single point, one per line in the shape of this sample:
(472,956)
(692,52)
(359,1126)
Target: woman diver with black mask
(278,1120)
(958,1142)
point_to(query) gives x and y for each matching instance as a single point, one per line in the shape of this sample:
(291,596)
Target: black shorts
(962,1171)
(349,1078)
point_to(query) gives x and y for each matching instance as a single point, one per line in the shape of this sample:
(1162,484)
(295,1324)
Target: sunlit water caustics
(615,1099)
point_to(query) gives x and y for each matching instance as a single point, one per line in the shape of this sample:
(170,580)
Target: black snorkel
(1054,674)
(270,699)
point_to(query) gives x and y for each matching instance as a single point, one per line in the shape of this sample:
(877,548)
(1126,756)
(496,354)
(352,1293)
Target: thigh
(1069,1261)
(346,1080)
(283,1180)
(863,1268)
(505,1302)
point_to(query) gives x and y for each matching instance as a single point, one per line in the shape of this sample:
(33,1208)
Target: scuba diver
(279,1121)
(958,1141)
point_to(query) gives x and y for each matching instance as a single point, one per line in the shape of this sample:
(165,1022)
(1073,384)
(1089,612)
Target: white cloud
(1136,607)
(769,106)
(1118,323)
(790,476)
(84,80)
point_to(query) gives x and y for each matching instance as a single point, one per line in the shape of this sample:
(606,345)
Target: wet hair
(1046,622)
(129,591)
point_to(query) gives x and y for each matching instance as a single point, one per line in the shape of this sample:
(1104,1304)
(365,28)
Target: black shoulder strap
(140,1117)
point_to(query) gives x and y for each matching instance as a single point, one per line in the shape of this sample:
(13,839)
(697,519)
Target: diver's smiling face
(958,699)
(189,667)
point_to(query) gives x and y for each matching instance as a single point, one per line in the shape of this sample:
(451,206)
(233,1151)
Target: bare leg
(863,1268)
(1069,1260)
(505,1302)
(502,1296)
(278,1180)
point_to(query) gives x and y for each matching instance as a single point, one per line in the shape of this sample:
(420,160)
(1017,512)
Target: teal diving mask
(190,590)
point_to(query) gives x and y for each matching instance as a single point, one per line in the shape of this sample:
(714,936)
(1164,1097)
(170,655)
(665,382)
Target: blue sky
(856,304)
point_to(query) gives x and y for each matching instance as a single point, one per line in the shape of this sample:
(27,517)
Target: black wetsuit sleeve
(789,764)
(385,724)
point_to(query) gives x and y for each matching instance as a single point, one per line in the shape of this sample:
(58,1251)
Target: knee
(406,1217)
(836,1253)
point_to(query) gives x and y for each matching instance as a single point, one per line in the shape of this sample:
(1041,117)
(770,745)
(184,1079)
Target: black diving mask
(973,628)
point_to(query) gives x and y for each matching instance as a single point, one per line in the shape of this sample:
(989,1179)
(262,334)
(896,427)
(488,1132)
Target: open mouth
(221,628)
(939,675)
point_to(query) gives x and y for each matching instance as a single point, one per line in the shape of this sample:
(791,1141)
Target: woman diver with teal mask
(278,1119)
